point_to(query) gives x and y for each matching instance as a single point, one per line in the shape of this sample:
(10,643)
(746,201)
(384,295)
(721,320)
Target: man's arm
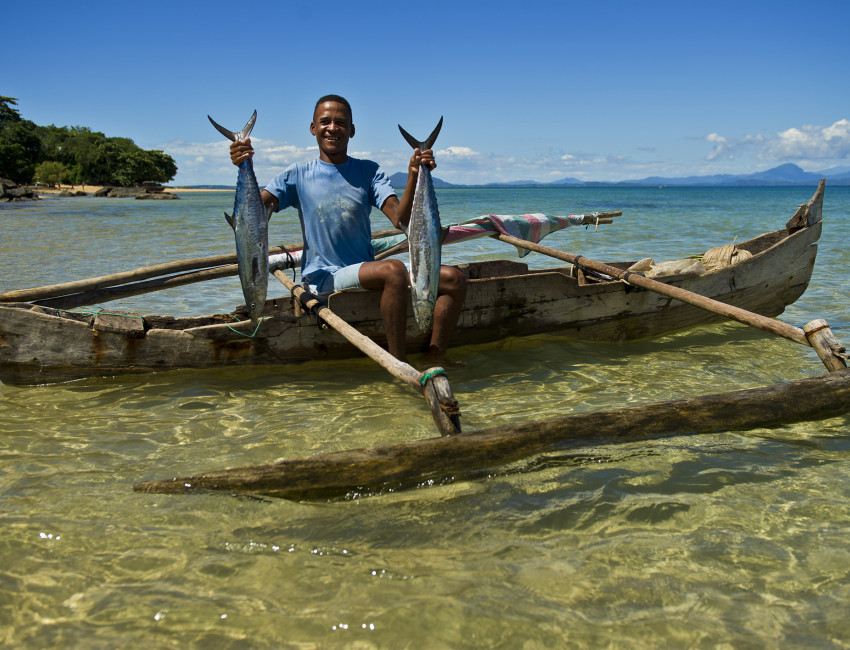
(398,211)
(239,153)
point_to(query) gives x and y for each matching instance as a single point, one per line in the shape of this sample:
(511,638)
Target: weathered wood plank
(129,324)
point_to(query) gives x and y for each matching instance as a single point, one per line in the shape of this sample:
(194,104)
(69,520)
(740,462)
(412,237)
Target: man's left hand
(422,158)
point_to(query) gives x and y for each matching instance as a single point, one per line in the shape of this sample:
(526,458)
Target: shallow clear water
(730,539)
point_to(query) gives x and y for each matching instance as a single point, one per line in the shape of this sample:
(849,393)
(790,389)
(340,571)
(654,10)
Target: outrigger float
(43,339)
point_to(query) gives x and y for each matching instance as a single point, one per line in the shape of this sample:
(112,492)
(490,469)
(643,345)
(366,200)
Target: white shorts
(348,277)
(345,279)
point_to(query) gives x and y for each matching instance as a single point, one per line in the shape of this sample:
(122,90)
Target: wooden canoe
(40,343)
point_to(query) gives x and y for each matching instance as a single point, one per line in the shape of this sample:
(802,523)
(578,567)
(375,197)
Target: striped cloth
(530,227)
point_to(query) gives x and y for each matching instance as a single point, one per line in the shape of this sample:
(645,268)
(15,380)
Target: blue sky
(531,90)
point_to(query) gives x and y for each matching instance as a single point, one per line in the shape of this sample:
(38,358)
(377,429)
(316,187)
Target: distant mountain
(399,181)
(206,187)
(567,181)
(560,183)
(787,174)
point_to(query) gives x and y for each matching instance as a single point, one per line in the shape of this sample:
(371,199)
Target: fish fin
(426,144)
(230,220)
(429,143)
(269,211)
(413,142)
(235,137)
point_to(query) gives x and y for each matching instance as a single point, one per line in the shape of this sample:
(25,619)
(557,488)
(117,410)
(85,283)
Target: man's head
(337,100)
(333,127)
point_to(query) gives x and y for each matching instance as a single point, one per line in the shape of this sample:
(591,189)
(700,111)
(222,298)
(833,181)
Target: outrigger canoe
(40,343)
(589,300)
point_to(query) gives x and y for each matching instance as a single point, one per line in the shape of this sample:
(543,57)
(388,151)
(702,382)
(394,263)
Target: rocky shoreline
(154,192)
(9,191)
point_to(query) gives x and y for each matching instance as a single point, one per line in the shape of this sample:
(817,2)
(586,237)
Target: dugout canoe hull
(469,455)
(42,344)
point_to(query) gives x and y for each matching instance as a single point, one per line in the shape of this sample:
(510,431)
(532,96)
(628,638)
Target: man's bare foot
(434,358)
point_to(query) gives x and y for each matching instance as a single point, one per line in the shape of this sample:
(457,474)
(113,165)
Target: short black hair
(334,98)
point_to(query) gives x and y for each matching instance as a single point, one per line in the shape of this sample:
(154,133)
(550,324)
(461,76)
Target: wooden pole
(597,218)
(629,277)
(92,297)
(473,454)
(433,383)
(90,284)
(145,273)
(817,335)
(823,341)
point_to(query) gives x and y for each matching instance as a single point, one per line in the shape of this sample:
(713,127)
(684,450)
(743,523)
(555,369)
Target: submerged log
(466,454)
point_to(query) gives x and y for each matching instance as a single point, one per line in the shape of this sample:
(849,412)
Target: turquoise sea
(729,540)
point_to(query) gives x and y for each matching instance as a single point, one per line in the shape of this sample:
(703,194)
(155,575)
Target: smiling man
(334,195)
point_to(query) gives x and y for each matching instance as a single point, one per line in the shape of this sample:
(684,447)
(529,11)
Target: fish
(250,223)
(424,234)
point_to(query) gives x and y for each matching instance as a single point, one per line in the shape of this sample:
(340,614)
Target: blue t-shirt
(334,202)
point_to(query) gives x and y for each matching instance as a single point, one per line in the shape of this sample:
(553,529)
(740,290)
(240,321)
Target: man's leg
(450,297)
(391,279)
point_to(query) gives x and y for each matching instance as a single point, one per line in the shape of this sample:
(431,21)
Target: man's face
(333,128)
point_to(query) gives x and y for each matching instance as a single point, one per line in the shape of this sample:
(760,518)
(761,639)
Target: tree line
(76,154)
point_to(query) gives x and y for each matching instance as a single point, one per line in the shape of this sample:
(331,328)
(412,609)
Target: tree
(88,156)
(20,147)
(51,172)
(164,164)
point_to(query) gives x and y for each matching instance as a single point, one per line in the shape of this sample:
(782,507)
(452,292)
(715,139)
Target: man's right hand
(241,151)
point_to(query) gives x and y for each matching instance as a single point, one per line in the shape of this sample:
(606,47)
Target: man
(334,196)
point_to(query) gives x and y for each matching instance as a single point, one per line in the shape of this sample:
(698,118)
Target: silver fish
(424,234)
(250,224)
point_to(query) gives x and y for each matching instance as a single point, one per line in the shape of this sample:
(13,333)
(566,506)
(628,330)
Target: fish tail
(236,137)
(416,144)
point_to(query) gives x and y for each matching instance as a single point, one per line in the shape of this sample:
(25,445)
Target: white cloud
(208,163)
(809,146)
(457,153)
(811,143)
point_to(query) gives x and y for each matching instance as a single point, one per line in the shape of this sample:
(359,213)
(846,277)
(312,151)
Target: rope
(290,260)
(99,312)
(247,336)
(425,377)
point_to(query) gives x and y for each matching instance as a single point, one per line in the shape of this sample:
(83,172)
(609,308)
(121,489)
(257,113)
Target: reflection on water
(728,539)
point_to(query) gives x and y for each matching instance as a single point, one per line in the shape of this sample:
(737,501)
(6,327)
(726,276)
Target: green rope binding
(247,336)
(425,377)
(99,312)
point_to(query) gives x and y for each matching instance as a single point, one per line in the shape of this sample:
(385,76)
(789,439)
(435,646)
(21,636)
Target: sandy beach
(91,189)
